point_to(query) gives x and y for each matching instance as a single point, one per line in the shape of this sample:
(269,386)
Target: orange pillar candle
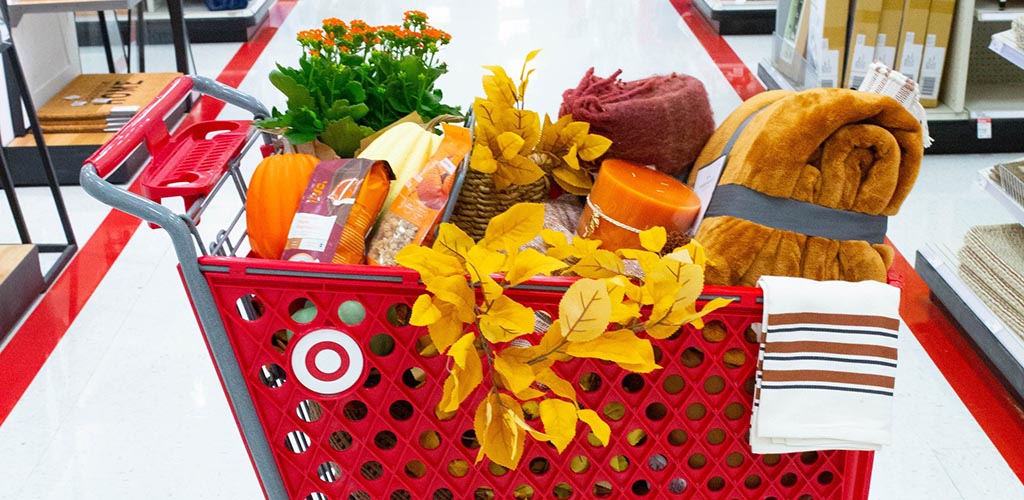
(628,198)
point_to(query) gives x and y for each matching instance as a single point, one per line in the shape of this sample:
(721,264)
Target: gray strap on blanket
(786,214)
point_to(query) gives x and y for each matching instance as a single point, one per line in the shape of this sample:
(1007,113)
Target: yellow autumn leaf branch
(606,314)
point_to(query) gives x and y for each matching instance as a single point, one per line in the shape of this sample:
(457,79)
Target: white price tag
(704,187)
(984,127)
(312,231)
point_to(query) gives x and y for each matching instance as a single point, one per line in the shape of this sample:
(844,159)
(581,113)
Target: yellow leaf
(620,346)
(584,310)
(528,394)
(496,423)
(530,263)
(573,133)
(429,262)
(553,343)
(646,260)
(482,160)
(599,264)
(456,291)
(529,57)
(517,171)
(514,227)
(505,320)
(481,264)
(518,376)
(697,253)
(623,312)
(559,418)
(553,237)
(424,312)
(447,329)
(570,158)
(466,374)
(485,114)
(558,385)
(584,246)
(577,182)
(653,239)
(451,240)
(597,425)
(558,244)
(710,307)
(594,146)
(499,88)
(509,144)
(550,134)
(524,81)
(522,122)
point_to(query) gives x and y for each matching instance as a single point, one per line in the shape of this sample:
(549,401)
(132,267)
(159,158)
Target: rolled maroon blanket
(662,120)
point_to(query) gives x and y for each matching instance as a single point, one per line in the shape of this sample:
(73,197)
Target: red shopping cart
(334,392)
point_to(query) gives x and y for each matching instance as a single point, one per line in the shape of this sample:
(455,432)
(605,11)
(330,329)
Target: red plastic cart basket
(334,391)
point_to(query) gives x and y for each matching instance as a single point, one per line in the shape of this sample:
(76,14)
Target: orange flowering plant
(355,78)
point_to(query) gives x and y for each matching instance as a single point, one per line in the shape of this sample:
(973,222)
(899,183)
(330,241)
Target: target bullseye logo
(327,361)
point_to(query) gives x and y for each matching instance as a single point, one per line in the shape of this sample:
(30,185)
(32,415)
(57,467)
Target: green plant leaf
(298,95)
(343,136)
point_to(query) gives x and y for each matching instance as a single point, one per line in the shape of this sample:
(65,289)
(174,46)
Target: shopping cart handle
(149,125)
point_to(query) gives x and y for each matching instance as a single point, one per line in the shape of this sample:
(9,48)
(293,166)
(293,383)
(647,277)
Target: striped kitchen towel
(827,366)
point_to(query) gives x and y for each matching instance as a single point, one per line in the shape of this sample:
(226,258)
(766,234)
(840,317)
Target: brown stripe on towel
(829,376)
(832,348)
(776,320)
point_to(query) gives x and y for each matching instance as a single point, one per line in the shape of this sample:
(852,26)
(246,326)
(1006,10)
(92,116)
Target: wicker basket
(479,201)
(1018,31)
(1011,179)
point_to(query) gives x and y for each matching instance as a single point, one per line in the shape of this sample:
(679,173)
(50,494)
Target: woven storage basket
(479,201)
(1011,179)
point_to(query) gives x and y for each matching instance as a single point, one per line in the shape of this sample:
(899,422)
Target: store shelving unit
(977,84)
(1003,349)
(20,278)
(938,266)
(744,17)
(204,25)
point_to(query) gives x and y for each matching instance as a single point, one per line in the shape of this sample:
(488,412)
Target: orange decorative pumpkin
(274,194)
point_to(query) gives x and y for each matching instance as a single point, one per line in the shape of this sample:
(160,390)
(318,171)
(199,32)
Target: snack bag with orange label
(337,211)
(417,210)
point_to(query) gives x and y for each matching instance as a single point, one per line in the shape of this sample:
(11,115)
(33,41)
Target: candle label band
(735,200)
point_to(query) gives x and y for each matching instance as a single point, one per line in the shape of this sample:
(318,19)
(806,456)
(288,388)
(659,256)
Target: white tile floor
(128,405)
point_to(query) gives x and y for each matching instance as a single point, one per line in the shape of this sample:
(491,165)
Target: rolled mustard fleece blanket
(836,148)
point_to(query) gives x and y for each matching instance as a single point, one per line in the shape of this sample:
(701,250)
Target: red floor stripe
(46,325)
(999,415)
(737,73)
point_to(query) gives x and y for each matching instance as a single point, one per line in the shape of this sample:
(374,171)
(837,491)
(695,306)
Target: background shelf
(1003,349)
(988,11)
(751,17)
